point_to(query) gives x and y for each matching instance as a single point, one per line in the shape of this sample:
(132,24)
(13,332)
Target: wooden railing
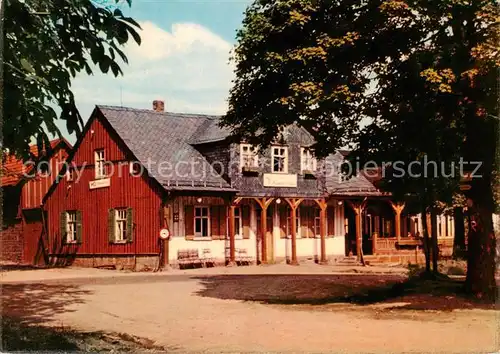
(386,243)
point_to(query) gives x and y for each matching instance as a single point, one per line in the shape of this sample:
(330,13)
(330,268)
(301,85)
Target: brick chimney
(158,106)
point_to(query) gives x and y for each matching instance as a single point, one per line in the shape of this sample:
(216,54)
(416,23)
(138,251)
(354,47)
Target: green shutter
(79,226)
(62,226)
(130,225)
(111,225)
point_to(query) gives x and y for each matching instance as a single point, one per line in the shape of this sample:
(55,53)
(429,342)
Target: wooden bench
(207,258)
(242,256)
(188,257)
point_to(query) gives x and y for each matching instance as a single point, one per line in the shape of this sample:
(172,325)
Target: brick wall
(11,242)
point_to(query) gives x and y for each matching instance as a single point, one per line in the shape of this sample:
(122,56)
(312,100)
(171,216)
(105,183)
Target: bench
(207,258)
(242,256)
(188,257)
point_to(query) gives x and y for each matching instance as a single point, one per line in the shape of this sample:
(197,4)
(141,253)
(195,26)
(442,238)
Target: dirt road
(199,314)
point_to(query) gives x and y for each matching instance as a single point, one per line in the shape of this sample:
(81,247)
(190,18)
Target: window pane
(205,211)
(237,230)
(197,227)
(276,164)
(204,231)
(197,212)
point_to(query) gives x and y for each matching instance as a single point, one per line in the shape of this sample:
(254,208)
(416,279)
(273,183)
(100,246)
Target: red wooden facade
(24,187)
(141,194)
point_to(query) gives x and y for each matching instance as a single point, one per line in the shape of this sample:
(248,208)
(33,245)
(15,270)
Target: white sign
(280,180)
(164,234)
(100,183)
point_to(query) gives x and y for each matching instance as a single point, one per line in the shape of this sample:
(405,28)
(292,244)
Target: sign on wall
(100,183)
(280,180)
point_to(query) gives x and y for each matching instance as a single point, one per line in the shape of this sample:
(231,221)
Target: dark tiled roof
(162,138)
(356,185)
(209,132)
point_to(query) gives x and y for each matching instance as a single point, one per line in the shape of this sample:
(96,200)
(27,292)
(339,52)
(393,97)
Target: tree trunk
(480,280)
(425,232)
(459,239)
(434,239)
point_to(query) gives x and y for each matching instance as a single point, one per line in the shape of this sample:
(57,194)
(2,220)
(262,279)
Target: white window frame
(71,226)
(317,222)
(284,156)
(307,160)
(99,163)
(121,225)
(249,155)
(289,223)
(202,217)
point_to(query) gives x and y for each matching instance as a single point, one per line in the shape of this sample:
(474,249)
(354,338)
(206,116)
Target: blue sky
(184,59)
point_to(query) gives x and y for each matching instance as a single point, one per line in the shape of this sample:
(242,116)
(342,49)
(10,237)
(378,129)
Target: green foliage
(397,80)
(47,42)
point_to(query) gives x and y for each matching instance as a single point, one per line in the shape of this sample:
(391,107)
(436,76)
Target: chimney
(158,106)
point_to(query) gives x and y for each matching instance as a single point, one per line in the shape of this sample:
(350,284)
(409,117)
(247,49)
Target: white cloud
(187,67)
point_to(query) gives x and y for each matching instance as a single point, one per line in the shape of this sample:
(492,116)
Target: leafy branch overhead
(396,80)
(47,43)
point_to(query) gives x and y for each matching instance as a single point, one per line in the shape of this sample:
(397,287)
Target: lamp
(199,200)
(278,201)
(340,202)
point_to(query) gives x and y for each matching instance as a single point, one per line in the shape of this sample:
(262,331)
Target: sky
(183,59)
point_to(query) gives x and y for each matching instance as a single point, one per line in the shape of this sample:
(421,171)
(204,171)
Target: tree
(406,81)
(47,42)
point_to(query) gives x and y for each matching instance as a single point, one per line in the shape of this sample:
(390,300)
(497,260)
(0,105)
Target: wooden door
(33,240)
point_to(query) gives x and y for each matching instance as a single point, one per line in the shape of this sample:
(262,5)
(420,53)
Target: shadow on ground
(416,294)
(38,303)
(28,308)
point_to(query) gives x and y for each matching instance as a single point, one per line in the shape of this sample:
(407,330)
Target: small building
(24,184)
(134,172)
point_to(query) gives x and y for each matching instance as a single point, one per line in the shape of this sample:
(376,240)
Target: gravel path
(172,312)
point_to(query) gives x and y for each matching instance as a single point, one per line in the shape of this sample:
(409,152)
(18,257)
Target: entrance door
(33,248)
(350,237)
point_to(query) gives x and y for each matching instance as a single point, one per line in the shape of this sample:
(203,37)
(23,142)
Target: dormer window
(249,158)
(308,161)
(280,159)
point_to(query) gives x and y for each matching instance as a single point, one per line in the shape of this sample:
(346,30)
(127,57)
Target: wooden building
(24,184)
(134,172)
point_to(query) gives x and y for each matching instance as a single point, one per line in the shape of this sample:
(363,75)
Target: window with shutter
(70,226)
